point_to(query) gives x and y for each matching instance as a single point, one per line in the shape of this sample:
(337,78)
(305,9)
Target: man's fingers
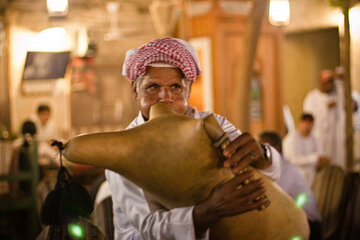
(238,195)
(242,140)
(236,156)
(241,165)
(251,191)
(242,152)
(240,178)
(243,158)
(256,205)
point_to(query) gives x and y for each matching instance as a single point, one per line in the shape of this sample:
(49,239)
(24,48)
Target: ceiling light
(279,12)
(57,8)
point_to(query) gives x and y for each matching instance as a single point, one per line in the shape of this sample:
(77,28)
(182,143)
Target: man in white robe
(326,104)
(46,131)
(356,124)
(163,71)
(293,183)
(300,147)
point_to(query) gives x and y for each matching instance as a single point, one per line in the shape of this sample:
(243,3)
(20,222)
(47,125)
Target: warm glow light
(354,21)
(340,18)
(57,8)
(76,230)
(301,200)
(354,18)
(52,35)
(279,12)
(55,32)
(52,39)
(82,42)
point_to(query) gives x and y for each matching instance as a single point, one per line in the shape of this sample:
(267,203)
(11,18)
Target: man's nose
(165,95)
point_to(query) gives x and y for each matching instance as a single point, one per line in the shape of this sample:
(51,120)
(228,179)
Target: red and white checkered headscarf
(162,52)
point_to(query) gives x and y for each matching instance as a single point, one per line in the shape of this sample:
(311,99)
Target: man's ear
(190,87)
(133,89)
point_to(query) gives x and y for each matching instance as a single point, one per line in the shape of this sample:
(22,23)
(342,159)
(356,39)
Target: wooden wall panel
(269,52)
(226,31)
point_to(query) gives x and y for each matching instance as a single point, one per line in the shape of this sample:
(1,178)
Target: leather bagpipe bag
(172,158)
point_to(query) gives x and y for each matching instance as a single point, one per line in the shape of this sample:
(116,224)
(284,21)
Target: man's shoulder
(138,120)
(203,114)
(291,135)
(292,170)
(220,119)
(313,92)
(193,112)
(288,165)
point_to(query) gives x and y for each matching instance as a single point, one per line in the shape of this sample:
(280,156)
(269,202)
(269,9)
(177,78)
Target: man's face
(305,127)
(326,81)
(161,84)
(327,86)
(44,116)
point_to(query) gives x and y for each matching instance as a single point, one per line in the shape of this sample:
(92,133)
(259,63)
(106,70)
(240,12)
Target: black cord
(60,146)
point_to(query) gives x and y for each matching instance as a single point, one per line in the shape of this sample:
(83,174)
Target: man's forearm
(203,219)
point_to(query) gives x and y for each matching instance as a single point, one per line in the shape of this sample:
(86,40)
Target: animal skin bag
(167,167)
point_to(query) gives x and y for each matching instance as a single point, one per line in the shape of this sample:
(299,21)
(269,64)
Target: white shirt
(356,115)
(303,152)
(293,183)
(356,124)
(329,125)
(45,132)
(137,218)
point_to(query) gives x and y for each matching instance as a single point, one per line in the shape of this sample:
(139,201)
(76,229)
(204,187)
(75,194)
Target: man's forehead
(326,76)
(163,74)
(162,80)
(162,69)
(44,112)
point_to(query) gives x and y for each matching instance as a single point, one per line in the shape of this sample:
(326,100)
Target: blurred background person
(292,182)
(339,75)
(326,104)
(46,132)
(46,128)
(20,161)
(356,124)
(301,148)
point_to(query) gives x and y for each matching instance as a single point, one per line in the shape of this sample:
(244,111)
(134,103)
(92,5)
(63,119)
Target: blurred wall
(4,87)
(113,106)
(23,105)
(305,55)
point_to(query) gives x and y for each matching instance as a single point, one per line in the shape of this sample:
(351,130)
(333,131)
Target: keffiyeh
(168,51)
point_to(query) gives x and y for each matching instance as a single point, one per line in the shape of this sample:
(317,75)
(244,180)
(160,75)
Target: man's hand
(243,151)
(332,104)
(322,162)
(230,199)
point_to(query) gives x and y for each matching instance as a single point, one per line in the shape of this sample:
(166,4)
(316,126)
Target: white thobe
(356,124)
(329,126)
(303,152)
(137,218)
(45,133)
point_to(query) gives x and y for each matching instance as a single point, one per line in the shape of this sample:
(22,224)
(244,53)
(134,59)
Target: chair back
(351,224)
(329,189)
